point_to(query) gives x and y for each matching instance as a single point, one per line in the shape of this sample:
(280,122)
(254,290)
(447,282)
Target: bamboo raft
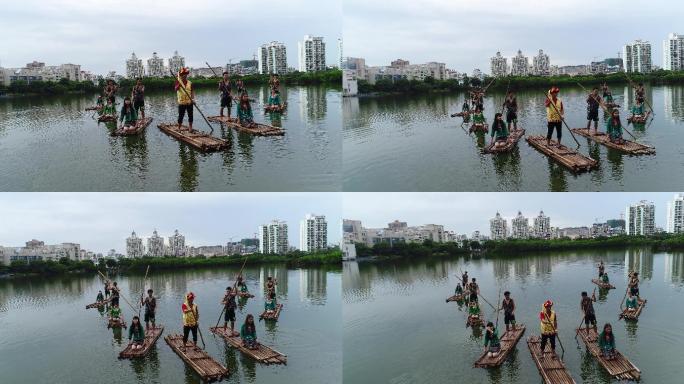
(620,367)
(602,285)
(567,157)
(508,341)
(279,109)
(263,354)
(199,140)
(552,370)
(245,294)
(272,316)
(512,140)
(99,304)
(111,323)
(203,364)
(151,338)
(474,321)
(631,147)
(259,130)
(106,118)
(140,126)
(633,315)
(639,119)
(461,114)
(456,298)
(93,108)
(479,127)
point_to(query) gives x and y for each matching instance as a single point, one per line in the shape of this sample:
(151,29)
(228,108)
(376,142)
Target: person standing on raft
(508,305)
(190,319)
(115,294)
(150,304)
(554,116)
(614,127)
(601,269)
(229,305)
(226,95)
(499,131)
(185,94)
(593,104)
(474,290)
(587,308)
(549,327)
(511,105)
(634,284)
(110,90)
(138,96)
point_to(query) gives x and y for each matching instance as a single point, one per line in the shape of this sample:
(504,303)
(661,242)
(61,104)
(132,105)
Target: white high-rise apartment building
(155,245)
(499,65)
(134,67)
(541,65)
(520,227)
(636,57)
(155,66)
(542,226)
(177,244)
(134,246)
(675,214)
(312,54)
(313,233)
(272,58)
(673,52)
(176,62)
(520,65)
(273,238)
(340,53)
(498,228)
(640,219)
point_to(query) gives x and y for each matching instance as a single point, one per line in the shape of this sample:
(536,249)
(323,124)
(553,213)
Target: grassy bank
(381,87)
(66,266)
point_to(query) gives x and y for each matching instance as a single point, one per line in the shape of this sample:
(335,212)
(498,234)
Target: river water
(398,328)
(47,335)
(409,143)
(52,144)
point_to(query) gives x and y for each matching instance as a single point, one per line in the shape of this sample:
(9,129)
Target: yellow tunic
(551,112)
(183,97)
(547,324)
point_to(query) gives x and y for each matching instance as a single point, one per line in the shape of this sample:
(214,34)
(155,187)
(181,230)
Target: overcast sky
(101,221)
(467,212)
(464,34)
(100,35)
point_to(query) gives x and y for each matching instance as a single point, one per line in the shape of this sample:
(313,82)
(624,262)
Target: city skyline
(465,213)
(68,27)
(102,221)
(440,30)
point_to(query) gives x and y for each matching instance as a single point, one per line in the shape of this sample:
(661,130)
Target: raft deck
(552,370)
(278,109)
(630,147)
(245,294)
(203,364)
(474,321)
(479,127)
(272,316)
(258,130)
(120,323)
(634,315)
(99,304)
(508,341)
(567,157)
(140,126)
(202,141)
(620,367)
(602,285)
(151,337)
(456,298)
(106,118)
(263,354)
(513,138)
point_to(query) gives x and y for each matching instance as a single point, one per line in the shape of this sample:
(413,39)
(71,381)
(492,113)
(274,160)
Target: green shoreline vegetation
(385,251)
(65,86)
(402,86)
(332,258)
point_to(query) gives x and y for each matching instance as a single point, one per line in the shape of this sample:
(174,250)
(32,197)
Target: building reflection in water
(313,285)
(674,268)
(313,104)
(673,102)
(502,268)
(639,260)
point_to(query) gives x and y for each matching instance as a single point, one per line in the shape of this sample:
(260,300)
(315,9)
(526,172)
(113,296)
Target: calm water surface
(401,143)
(52,144)
(398,328)
(47,335)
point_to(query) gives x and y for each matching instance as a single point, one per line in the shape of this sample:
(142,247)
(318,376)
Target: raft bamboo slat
(552,370)
(602,285)
(93,108)
(567,157)
(199,140)
(508,341)
(106,118)
(635,315)
(262,354)
(259,130)
(631,147)
(272,316)
(512,140)
(200,361)
(111,323)
(474,321)
(456,298)
(479,127)
(639,119)
(245,294)
(280,109)
(140,126)
(151,337)
(99,304)
(620,367)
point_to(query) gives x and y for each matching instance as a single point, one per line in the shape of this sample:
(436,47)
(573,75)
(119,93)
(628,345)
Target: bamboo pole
(562,119)
(605,109)
(142,294)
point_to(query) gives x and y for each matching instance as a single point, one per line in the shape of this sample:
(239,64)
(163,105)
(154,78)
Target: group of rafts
(601,345)
(132,119)
(141,338)
(506,132)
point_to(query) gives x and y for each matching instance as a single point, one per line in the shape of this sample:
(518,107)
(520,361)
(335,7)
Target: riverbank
(331,258)
(403,86)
